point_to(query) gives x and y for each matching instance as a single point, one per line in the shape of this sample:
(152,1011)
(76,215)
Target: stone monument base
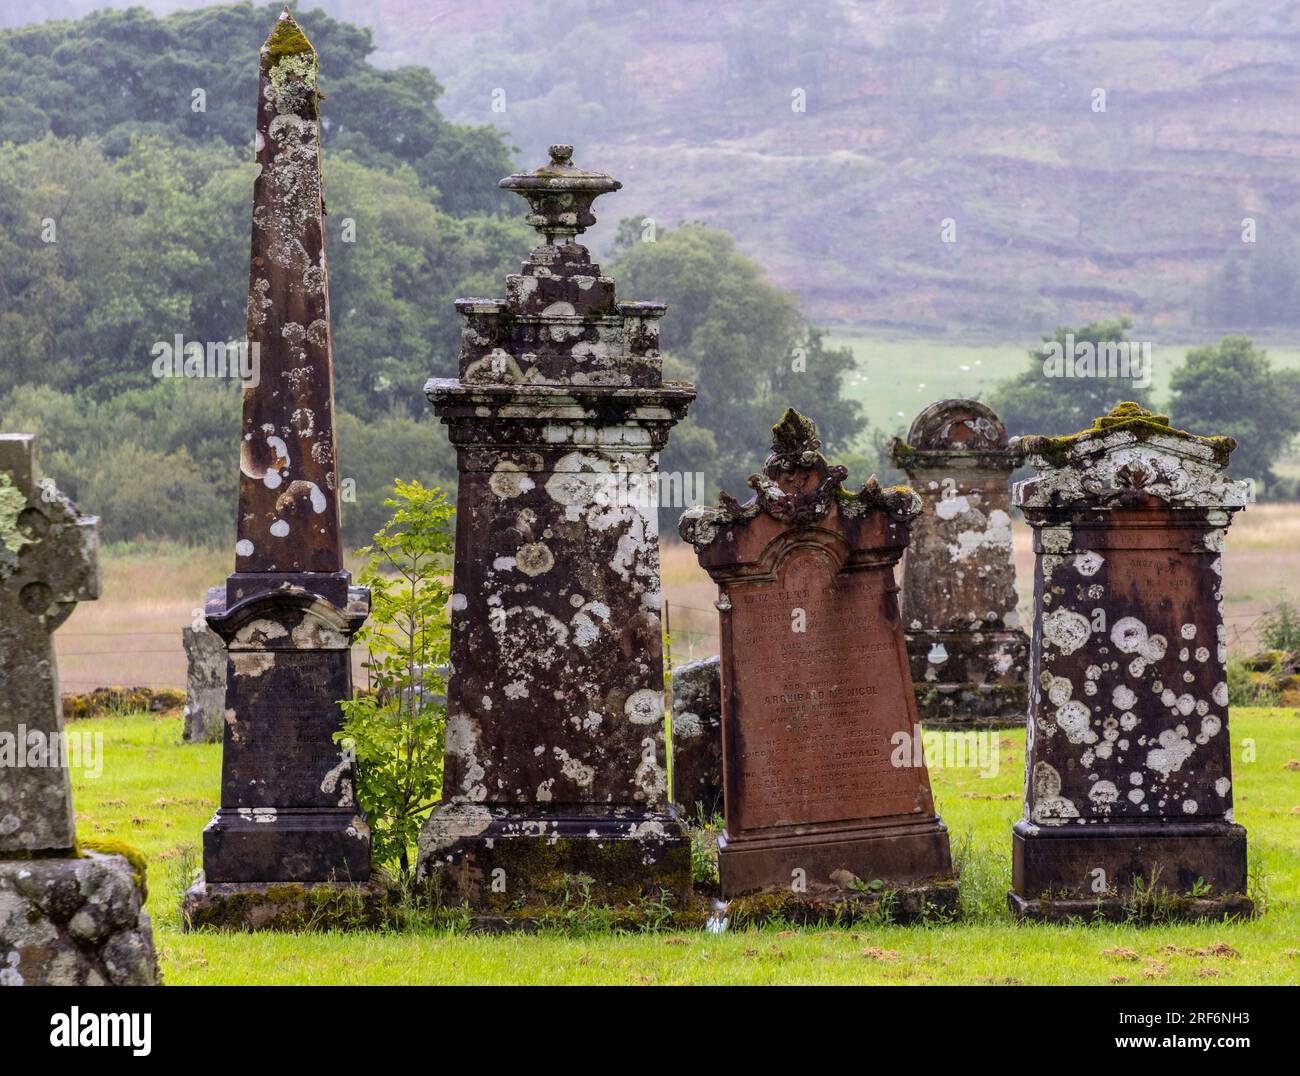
(972,705)
(507,863)
(1188,870)
(290,906)
(286,844)
(897,854)
(1183,907)
(75,921)
(832,906)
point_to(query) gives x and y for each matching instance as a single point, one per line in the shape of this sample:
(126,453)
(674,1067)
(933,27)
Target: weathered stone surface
(288,613)
(1128,766)
(815,685)
(697,738)
(205,685)
(49,561)
(65,918)
(555,759)
(969,656)
(74,921)
(290,906)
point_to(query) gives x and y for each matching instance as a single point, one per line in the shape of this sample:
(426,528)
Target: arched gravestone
(69,916)
(1128,766)
(969,655)
(556,750)
(816,695)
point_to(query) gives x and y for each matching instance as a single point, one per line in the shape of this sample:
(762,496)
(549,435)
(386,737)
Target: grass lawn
(158,793)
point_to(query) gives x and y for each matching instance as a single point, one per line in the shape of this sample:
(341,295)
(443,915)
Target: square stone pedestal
(1189,871)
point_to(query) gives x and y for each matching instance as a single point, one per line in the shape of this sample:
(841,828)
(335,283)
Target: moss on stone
(287,39)
(110,847)
(12,503)
(1130,418)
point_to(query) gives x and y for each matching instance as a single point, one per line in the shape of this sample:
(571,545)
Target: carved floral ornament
(1130,456)
(797,486)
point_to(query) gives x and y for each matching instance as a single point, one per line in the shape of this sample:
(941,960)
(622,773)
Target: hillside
(977,111)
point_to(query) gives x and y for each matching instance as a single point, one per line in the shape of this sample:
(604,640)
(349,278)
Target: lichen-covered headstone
(826,789)
(1128,769)
(205,685)
(555,757)
(697,739)
(287,614)
(969,655)
(67,916)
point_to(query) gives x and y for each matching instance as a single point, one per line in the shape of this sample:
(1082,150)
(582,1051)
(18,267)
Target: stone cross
(49,561)
(555,757)
(969,655)
(288,613)
(824,777)
(1128,768)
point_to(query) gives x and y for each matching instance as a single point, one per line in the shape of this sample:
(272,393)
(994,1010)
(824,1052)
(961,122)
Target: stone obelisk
(555,760)
(288,612)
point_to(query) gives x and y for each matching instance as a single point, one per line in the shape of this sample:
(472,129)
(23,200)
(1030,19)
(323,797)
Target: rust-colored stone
(823,781)
(969,656)
(1128,780)
(555,759)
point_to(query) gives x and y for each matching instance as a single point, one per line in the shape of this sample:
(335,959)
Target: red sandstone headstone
(817,699)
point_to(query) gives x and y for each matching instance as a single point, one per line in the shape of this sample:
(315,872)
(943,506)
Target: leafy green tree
(1035,401)
(744,344)
(398,727)
(1231,387)
(53,77)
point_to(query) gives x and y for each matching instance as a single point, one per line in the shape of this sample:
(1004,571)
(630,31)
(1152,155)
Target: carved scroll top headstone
(1130,457)
(797,485)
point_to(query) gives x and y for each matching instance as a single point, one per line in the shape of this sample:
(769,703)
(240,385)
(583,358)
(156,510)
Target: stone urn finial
(560,195)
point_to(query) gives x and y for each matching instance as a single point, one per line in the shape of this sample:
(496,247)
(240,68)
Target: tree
(1232,388)
(744,344)
(1046,399)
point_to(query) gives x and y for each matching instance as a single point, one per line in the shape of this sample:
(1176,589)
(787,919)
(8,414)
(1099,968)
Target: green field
(898,376)
(158,793)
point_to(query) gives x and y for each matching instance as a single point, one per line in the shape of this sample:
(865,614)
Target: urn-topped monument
(555,758)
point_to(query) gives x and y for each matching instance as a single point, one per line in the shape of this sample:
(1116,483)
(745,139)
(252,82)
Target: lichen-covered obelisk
(288,613)
(555,761)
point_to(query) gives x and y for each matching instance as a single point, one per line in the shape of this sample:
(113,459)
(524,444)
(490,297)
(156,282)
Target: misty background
(912,197)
